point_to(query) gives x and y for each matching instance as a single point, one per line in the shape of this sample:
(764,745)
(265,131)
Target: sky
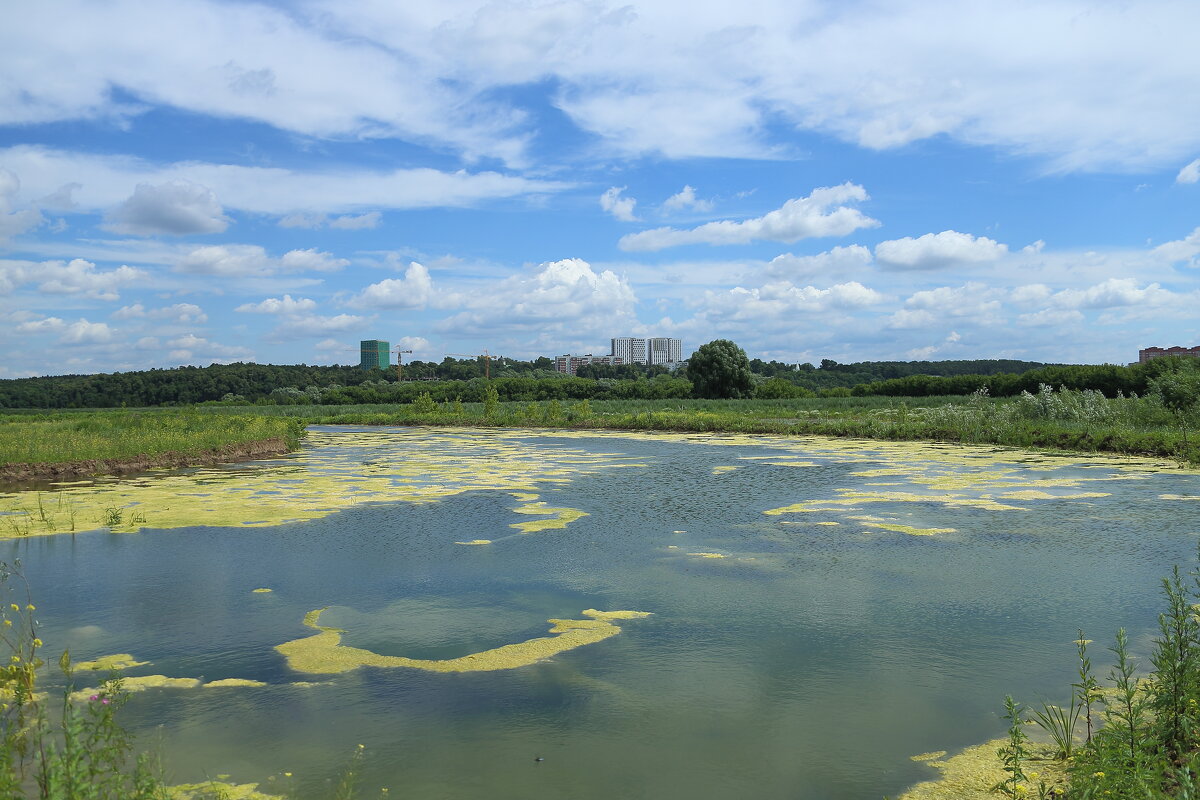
(201,181)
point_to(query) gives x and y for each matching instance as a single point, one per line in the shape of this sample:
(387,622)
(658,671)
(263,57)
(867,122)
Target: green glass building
(373,354)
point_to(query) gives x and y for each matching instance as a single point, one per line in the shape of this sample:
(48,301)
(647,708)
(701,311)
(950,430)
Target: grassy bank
(1063,420)
(63,438)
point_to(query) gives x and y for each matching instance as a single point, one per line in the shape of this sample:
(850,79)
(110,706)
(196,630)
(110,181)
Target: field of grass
(1066,420)
(64,437)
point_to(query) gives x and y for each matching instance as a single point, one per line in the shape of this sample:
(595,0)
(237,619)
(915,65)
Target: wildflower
(1097,774)
(14,607)
(1033,776)
(31,607)
(8,622)
(1021,788)
(94,698)
(361,747)
(37,642)
(16,659)
(105,700)
(287,774)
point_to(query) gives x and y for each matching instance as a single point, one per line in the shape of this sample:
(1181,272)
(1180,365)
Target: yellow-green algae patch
(230,682)
(336,470)
(909,529)
(222,789)
(936,754)
(109,663)
(476,542)
(1178,497)
(559,517)
(722,470)
(324,654)
(1036,494)
(971,774)
(261,591)
(709,555)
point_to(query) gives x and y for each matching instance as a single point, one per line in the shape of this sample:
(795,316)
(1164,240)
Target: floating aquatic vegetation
(144,682)
(560,517)
(261,591)
(1034,494)
(109,663)
(971,774)
(476,542)
(909,529)
(722,470)
(231,682)
(324,654)
(709,555)
(1179,497)
(335,470)
(218,788)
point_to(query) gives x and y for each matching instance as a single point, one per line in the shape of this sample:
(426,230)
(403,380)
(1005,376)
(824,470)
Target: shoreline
(18,476)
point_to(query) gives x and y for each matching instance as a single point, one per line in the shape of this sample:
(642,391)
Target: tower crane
(487,361)
(399,362)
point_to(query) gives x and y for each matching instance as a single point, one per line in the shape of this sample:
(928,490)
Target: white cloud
(620,207)
(1050,317)
(177,207)
(937,251)
(251,260)
(821,213)
(686,198)
(1180,250)
(1190,173)
(414,290)
(301,326)
(1112,292)
(76,277)
(179,312)
(562,298)
(906,319)
(775,301)
(192,349)
(351,222)
(1091,85)
(835,262)
(107,181)
(79,332)
(969,300)
(279,305)
(14,222)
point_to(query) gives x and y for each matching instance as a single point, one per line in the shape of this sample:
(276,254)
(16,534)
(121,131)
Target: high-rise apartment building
(664,351)
(631,351)
(373,354)
(661,350)
(1148,353)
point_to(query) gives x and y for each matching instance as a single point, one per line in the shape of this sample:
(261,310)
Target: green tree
(1179,391)
(720,369)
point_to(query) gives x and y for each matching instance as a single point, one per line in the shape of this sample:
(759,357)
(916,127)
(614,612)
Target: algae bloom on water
(325,654)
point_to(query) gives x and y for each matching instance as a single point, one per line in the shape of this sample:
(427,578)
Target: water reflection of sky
(811,660)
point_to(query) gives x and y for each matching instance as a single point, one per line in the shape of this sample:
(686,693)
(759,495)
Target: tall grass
(60,438)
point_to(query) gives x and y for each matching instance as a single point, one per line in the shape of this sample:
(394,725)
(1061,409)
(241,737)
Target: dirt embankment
(41,473)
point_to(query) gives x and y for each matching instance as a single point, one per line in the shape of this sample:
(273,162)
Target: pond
(804,615)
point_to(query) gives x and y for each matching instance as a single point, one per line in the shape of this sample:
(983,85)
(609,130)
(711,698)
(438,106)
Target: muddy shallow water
(801,616)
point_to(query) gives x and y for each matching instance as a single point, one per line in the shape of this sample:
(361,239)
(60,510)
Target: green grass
(82,436)
(1065,420)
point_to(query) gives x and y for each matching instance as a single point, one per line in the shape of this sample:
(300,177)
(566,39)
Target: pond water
(818,610)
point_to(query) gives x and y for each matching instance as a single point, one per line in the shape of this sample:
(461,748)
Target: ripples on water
(809,662)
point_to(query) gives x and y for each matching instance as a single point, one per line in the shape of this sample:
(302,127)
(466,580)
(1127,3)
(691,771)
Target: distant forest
(536,380)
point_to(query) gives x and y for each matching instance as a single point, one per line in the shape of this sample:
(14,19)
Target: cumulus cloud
(301,326)
(837,261)
(414,290)
(822,213)
(192,349)
(969,300)
(251,260)
(781,299)
(938,251)
(620,207)
(566,296)
(1113,292)
(686,198)
(1190,173)
(75,277)
(79,332)
(177,208)
(1049,318)
(179,312)
(14,221)
(279,305)
(1181,250)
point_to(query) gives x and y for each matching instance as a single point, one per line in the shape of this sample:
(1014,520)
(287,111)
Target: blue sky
(200,181)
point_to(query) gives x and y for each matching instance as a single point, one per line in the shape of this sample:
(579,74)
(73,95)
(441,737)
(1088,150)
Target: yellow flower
(15,607)
(1097,774)
(37,642)
(1033,776)
(1021,788)
(287,774)
(8,622)
(16,659)
(31,607)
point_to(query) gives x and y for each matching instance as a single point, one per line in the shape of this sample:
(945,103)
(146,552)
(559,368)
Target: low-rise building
(1148,353)
(569,364)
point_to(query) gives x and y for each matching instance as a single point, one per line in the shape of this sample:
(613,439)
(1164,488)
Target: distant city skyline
(811,179)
